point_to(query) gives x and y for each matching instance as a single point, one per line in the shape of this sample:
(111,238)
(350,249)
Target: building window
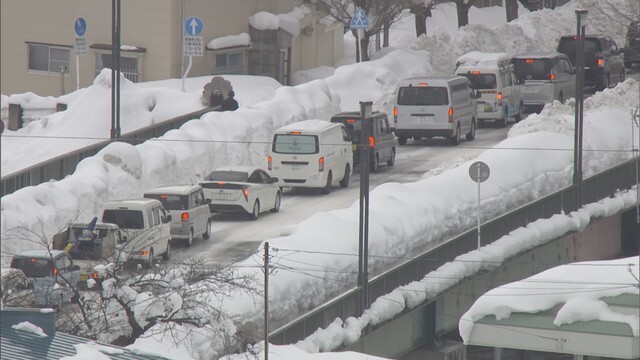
(49,58)
(129,65)
(229,63)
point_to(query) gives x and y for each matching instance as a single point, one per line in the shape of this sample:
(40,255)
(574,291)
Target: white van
(312,154)
(435,106)
(145,228)
(493,75)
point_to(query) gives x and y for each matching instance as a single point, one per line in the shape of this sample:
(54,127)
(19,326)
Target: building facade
(38,40)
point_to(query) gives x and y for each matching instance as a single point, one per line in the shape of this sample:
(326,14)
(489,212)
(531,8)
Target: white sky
(400,218)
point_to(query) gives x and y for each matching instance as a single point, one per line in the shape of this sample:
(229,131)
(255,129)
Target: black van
(381,137)
(603,65)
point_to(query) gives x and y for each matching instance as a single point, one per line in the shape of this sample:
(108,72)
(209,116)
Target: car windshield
(569,47)
(532,69)
(482,81)
(423,95)
(33,267)
(295,144)
(124,218)
(171,202)
(232,176)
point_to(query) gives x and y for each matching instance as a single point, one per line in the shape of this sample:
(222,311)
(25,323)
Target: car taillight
(450,114)
(600,62)
(144,252)
(552,76)
(499,97)
(55,271)
(321,164)
(372,142)
(245,192)
(395,115)
(95,275)
(269,162)
(184,217)
(13,263)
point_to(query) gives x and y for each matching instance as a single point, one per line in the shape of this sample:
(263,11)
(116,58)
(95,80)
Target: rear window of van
(295,144)
(532,69)
(33,267)
(423,95)
(482,81)
(124,218)
(171,202)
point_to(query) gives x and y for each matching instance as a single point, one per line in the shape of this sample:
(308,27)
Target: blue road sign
(80,26)
(193,26)
(359,20)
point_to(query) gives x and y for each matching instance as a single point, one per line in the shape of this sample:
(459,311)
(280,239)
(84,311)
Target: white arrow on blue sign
(80,26)
(359,20)
(193,26)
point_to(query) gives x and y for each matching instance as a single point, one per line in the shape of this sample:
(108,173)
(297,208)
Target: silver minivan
(189,210)
(544,78)
(435,106)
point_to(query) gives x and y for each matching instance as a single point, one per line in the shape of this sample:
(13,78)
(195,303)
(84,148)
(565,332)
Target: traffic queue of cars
(311,154)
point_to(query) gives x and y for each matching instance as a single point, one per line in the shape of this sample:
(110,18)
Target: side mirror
(167,219)
(274,180)
(207,201)
(76,267)
(478,94)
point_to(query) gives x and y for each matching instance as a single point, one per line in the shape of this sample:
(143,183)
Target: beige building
(38,38)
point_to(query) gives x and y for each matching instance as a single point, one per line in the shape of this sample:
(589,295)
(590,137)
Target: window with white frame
(229,63)
(49,58)
(129,65)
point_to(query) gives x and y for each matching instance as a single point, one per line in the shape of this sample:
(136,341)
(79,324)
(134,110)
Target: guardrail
(63,165)
(595,188)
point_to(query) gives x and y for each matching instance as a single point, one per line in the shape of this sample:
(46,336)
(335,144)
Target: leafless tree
(462,8)
(381,14)
(511,7)
(421,9)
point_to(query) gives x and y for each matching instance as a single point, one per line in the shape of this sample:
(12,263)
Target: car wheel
(472,133)
(207,232)
(455,139)
(392,159)
(167,254)
(520,114)
(561,97)
(503,121)
(149,263)
(480,123)
(402,140)
(604,83)
(327,187)
(276,205)
(256,211)
(347,176)
(375,163)
(190,238)
(623,75)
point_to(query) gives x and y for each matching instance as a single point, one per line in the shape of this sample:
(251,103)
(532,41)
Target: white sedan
(242,189)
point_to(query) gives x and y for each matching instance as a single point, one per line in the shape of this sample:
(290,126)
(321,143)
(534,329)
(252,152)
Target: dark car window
(424,95)
(232,176)
(482,81)
(295,144)
(569,45)
(33,267)
(125,219)
(532,69)
(171,202)
(352,124)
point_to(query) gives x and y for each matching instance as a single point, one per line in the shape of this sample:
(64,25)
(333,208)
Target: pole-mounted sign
(479,172)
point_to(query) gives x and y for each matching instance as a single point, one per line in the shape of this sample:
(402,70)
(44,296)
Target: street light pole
(115,69)
(581,22)
(363,244)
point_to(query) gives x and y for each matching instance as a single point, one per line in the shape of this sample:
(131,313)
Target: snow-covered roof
(308,125)
(242,39)
(289,22)
(478,58)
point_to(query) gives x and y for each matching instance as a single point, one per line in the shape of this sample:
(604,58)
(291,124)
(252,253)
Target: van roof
(173,189)
(131,202)
(538,55)
(434,79)
(308,125)
(40,253)
(478,58)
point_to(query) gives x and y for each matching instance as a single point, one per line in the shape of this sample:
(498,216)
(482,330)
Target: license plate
(423,119)
(295,167)
(84,277)
(222,196)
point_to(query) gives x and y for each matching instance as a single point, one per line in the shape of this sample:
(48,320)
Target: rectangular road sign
(81,45)
(193,46)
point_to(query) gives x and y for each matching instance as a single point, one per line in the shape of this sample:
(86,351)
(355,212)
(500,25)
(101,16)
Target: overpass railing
(595,188)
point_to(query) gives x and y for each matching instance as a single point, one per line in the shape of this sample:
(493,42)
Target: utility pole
(266,300)
(363,234)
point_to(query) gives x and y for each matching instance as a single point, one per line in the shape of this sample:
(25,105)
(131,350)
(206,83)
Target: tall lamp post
(581,20)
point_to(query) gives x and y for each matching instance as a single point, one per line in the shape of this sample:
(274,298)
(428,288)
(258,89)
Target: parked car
(544,78)
(381,138)
(492,75)
(144,224)
(189,210)
(603,64)
(435,106)
(16,289)
(632,45)
(311,154)
(242,189)
(52,273)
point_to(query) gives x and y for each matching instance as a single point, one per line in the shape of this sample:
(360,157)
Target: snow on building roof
(242,39)
(289,22)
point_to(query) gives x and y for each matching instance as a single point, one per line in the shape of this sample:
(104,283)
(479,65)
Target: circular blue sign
(80,26)
(193,26)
